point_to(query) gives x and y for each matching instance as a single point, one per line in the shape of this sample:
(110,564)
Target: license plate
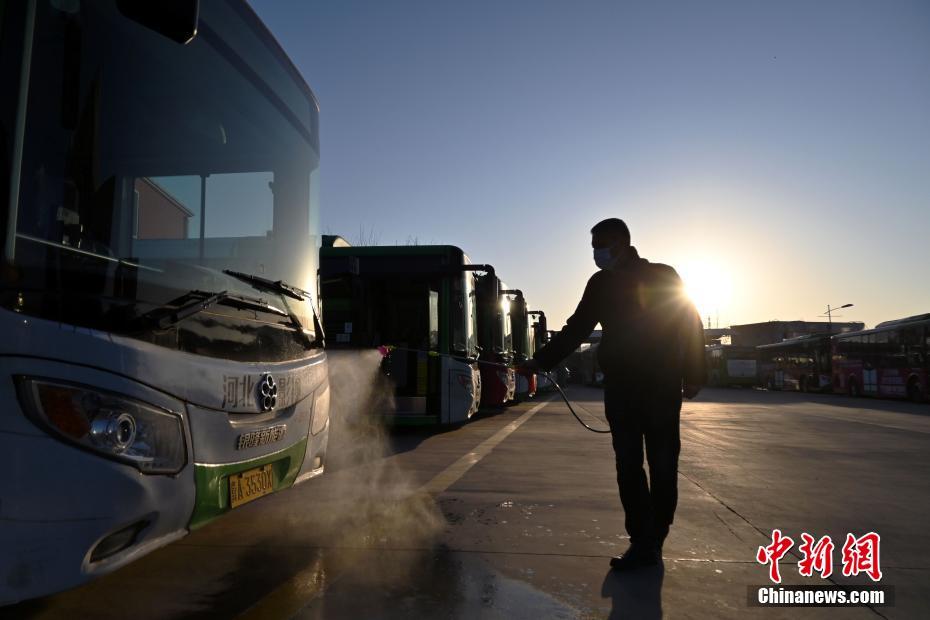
(250,485)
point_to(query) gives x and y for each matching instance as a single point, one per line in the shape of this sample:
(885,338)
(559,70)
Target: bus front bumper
(68,516)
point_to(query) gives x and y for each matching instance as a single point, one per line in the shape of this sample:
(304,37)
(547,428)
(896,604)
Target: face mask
(602,258)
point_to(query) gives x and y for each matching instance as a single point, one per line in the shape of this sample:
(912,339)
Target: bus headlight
(114,430)
(108,424)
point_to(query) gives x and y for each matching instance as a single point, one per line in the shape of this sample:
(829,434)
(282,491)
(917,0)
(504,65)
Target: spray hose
(572,409)
(386,350)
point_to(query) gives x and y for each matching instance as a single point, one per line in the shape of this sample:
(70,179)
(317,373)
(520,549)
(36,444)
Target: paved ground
(516,514)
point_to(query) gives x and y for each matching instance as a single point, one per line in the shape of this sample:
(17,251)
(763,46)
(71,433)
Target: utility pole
(829,314)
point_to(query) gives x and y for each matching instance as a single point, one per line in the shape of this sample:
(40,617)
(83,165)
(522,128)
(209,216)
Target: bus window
(471,316)
(912,346)
(433,320)
(878,348)
(406,320)
(464,320)
(896,351)
(508,330)
(458,316)
(864,350)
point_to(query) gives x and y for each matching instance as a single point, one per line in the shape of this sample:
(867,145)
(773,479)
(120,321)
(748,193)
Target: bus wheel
(854,388)
(913,391)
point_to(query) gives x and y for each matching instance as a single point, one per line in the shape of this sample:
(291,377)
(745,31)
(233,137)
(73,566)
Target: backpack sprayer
(386,350)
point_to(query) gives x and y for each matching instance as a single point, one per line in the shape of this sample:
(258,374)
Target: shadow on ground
(635,594)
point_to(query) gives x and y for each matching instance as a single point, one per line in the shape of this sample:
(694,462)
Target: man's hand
(529,366)
(690,391)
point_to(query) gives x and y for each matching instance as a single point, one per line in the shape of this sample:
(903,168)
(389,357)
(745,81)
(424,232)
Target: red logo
(860,555)
(774,552)
(817,557)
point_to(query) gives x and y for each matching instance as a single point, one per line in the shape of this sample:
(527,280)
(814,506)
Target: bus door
(410,322)
(822,365)
(913,341)
(460,375)
(893,365)
(872,344)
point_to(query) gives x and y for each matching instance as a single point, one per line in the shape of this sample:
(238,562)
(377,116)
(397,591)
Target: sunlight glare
(709,286)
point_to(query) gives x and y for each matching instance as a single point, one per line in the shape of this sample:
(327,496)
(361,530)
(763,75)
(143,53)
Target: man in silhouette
(651,352)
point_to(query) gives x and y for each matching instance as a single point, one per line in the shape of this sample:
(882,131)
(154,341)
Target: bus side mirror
(175,19)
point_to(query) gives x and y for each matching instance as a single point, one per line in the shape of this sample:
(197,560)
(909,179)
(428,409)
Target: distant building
(716,335)
(754,334)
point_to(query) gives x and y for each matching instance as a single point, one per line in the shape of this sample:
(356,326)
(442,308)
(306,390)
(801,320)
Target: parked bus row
(452,331)
(892,360)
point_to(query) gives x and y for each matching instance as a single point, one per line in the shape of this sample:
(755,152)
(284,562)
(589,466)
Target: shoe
(637,556)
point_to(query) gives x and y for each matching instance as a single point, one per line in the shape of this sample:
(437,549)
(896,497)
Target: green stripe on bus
(213,481)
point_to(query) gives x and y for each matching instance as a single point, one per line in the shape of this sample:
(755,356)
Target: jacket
(652,334)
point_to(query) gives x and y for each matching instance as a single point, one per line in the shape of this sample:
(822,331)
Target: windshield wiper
(283,288)
(275,286)
(195,301)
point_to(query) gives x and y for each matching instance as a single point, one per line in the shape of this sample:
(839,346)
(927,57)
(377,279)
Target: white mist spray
(377,503)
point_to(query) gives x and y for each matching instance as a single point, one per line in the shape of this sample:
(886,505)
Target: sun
(709,286)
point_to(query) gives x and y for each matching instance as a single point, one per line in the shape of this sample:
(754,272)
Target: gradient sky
(779,148)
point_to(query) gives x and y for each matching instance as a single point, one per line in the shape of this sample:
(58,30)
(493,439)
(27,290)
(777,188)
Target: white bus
(161,363)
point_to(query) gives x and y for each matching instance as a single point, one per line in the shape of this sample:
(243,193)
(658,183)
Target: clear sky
(776,152)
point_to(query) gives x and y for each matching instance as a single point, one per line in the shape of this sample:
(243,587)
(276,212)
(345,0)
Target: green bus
(418,304)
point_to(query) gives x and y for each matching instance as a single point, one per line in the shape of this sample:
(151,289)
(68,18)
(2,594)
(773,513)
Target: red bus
(495,340)
(801,364)
(890,360)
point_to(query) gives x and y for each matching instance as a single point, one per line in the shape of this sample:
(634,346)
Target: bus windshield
(149,167)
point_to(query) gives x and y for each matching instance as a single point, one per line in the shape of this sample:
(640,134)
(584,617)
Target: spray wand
(385,350)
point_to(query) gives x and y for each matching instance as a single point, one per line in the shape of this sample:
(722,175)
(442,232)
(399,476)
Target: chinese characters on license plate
(251,484)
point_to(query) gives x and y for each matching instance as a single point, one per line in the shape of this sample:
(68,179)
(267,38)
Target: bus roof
(393,250)
(787,342)
(253,20)
(887,326)
(917,318)
(392,260)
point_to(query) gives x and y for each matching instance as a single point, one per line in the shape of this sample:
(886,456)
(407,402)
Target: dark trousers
(649,417)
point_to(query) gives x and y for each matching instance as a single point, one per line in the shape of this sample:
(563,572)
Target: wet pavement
(516,514)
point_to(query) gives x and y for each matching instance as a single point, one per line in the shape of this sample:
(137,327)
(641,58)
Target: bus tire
(914,393)
(854,388)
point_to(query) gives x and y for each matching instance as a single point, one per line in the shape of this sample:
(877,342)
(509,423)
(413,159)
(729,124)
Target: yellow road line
(451,474)
(290,597)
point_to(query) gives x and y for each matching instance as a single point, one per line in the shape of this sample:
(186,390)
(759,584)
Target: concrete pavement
(526,530)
